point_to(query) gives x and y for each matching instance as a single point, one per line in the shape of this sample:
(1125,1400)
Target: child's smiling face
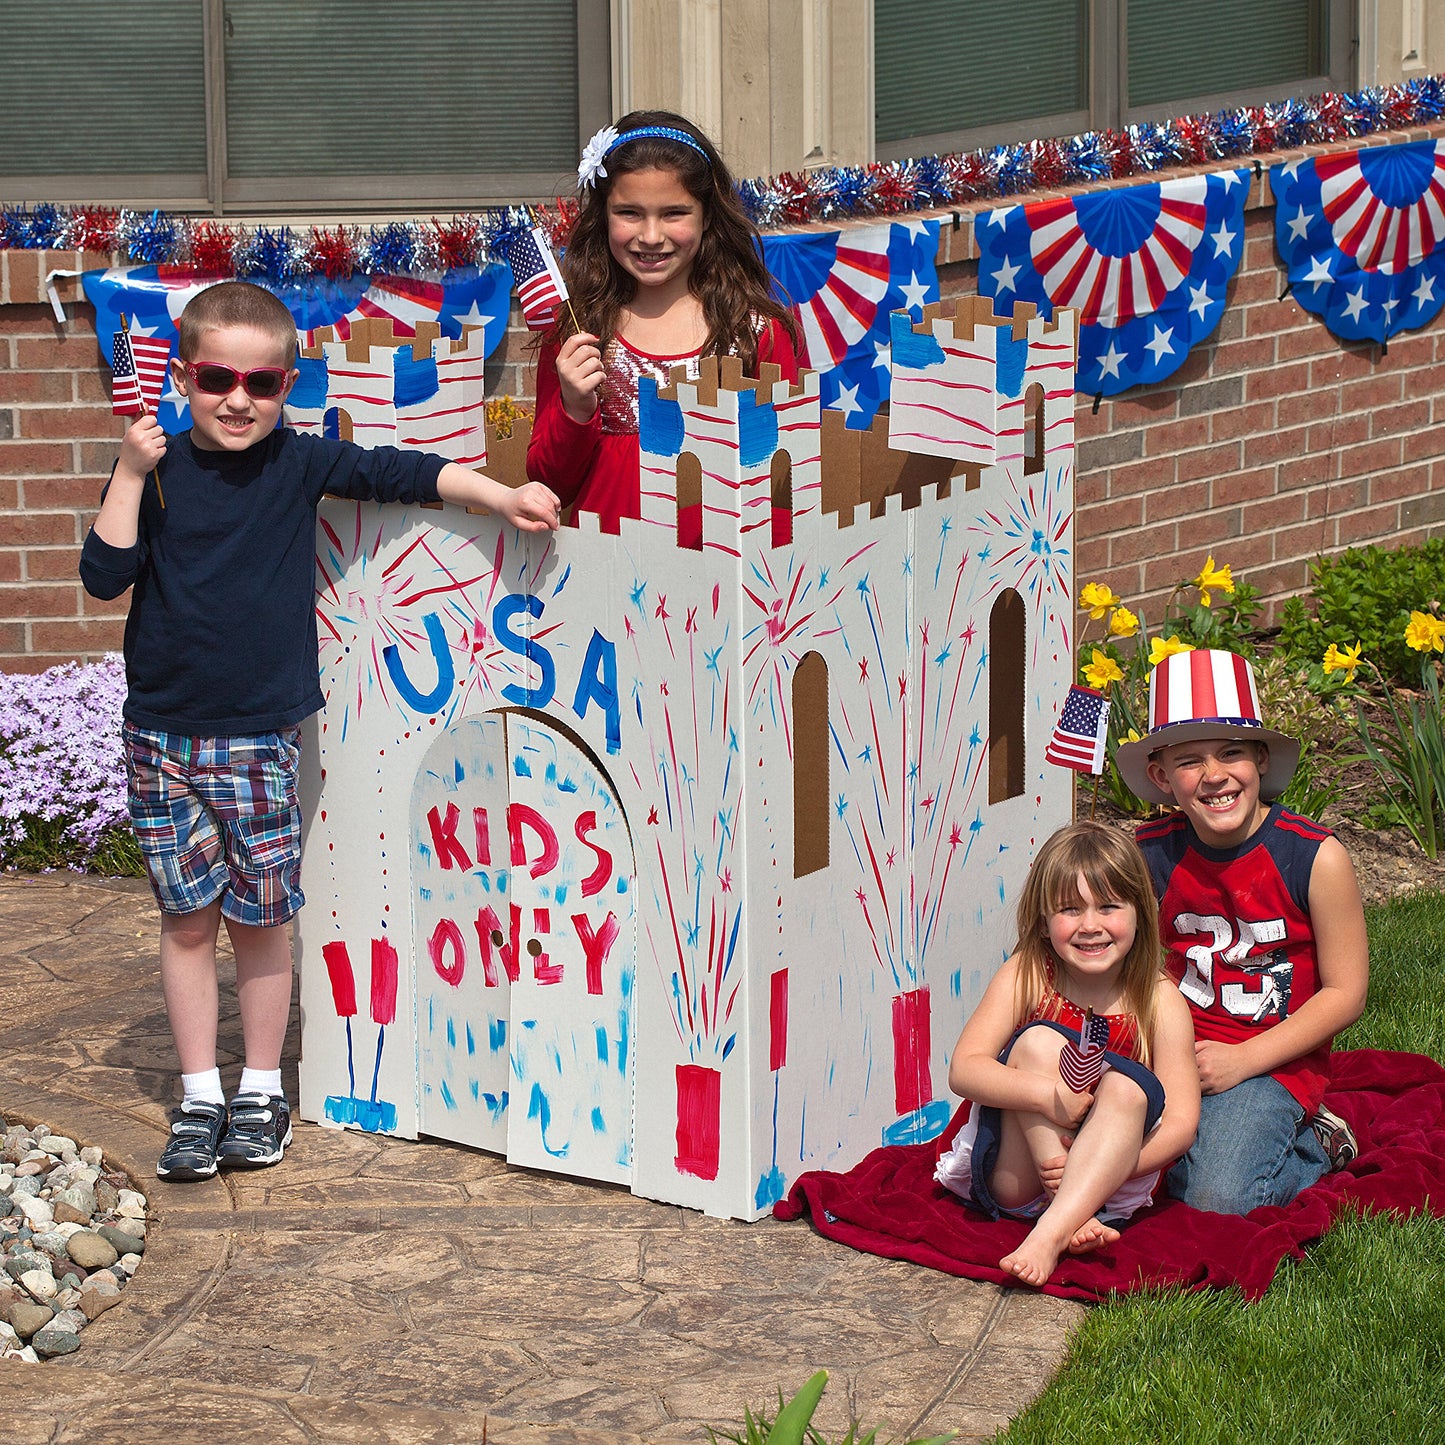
(1216,782)
(1091,937)
(236,420)
(654,227)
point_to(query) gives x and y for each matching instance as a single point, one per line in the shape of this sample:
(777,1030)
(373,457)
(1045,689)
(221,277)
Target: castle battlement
(966,384)
(759,455)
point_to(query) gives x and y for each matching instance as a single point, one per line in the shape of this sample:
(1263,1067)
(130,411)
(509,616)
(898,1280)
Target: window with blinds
(95,86)
(956,75)
(1177,51)
(255,103)
(942,70)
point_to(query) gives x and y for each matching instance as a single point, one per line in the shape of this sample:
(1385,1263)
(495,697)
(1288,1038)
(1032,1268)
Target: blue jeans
(1254,1147)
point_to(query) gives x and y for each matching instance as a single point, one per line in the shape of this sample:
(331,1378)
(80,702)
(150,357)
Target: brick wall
(1273,443)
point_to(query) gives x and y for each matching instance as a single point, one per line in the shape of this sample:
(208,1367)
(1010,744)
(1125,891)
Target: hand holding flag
(138,374)
(1081,1065)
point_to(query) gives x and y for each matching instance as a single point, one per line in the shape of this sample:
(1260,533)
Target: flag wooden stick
(1094,797)
(144,409)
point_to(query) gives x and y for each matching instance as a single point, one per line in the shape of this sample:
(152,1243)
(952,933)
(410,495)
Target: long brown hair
(1113,867)
(728,275)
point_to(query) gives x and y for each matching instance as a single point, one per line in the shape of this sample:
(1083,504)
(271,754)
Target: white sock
(261,1081)
(204,1087)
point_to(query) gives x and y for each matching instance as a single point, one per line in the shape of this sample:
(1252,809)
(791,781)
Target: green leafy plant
(1405,741)
(1313,716)
(793,1423)
(1365,594)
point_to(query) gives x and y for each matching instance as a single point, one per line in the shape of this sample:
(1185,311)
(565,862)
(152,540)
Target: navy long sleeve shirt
(221,635)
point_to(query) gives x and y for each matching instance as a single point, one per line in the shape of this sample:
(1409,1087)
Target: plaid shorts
(218,818)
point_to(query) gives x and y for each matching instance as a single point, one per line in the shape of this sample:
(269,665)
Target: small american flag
(138,365)
(1081,1064)
(1081,732)
(540,287)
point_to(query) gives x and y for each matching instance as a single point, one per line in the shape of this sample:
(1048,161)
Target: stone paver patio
(378,1289)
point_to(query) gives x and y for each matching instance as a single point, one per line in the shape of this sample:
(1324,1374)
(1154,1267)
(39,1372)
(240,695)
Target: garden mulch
(377,1289)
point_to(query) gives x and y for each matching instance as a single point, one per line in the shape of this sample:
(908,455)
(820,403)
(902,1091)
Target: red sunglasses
(264,383)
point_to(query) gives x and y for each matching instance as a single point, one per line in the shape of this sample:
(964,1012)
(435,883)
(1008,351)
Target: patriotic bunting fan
(1362,237)
(1145,266)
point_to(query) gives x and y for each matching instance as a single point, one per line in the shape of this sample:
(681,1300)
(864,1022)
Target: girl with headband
(663,268)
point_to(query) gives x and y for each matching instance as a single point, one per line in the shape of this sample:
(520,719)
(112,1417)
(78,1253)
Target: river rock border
(72,1233)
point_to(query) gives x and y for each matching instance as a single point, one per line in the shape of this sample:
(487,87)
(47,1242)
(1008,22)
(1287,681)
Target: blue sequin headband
(608,139)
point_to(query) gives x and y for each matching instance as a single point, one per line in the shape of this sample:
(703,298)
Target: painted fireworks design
(911,766)
(697,778)
(390,626)
(1025,547)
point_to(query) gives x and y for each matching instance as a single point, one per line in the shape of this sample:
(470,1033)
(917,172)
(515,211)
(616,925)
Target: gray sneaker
(1339,1140)
(190,1153)
(258,1133)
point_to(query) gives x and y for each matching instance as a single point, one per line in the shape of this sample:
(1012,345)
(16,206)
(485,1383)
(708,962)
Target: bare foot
(1092,1234)
(1033,1261)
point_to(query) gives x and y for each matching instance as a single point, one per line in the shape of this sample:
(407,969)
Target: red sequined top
(1123,1028)
(597,464)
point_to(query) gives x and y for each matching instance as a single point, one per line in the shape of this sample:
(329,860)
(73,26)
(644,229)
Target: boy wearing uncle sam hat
(1261,916)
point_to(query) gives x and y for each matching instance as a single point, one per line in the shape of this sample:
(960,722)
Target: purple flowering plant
(62,772)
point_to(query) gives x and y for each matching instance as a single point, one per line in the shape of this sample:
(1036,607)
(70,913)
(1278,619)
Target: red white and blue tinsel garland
(1145,266)
(1362,237)
(885,188)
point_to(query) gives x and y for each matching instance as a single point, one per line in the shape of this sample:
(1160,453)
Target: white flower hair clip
(593,154)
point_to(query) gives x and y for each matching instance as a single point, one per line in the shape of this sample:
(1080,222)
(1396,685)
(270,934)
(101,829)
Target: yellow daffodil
(1123,623)
(1102,670)
(1098,599)
(1162,647)
(1425,633)
(1132,736)
(1213,579)
(1344,660)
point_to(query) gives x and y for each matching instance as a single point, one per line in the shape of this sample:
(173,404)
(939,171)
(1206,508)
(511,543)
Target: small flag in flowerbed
(1082,731)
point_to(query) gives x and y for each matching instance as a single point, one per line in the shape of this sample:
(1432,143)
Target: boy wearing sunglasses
(221,668)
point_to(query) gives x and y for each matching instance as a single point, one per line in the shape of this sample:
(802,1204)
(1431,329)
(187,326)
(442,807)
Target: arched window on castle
(1006,697)
(782,499)
(689,501)
(810,765)
(1033,429)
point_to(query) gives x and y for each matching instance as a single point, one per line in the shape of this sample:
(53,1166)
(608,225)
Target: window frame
(214,192)
(1108,75)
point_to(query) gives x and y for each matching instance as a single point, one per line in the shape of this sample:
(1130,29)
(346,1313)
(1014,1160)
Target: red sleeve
(776,345)
(561,451)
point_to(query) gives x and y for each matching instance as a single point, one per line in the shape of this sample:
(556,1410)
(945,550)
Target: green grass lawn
(1349,1343)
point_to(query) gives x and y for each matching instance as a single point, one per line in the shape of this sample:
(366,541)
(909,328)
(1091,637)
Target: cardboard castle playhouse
(683,868)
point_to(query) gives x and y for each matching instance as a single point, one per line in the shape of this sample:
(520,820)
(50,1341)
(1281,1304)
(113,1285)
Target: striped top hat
(1198,695)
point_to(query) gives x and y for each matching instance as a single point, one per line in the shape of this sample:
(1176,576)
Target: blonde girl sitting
(1076,1162)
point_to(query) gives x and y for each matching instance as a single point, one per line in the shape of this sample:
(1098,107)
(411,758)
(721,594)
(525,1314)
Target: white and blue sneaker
(196,1130)
(258,1132)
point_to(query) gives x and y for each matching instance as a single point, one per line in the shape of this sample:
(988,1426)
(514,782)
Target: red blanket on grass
(1395,1102)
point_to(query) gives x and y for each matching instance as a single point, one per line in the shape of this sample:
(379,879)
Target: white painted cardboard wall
(553,799)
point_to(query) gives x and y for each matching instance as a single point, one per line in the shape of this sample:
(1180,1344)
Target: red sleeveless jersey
(1236,924)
